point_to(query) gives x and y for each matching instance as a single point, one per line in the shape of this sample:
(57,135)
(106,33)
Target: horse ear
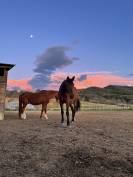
(73,78)
(67,78)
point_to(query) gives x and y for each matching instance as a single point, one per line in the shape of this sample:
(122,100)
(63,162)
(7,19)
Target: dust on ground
(99,144)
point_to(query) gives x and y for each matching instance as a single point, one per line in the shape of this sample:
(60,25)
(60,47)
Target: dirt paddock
(100,144)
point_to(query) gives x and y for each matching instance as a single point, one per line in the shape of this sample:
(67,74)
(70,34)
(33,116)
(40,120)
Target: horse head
(67,85)
(70,80)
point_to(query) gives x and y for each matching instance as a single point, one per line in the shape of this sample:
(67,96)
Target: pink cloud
(21,83)
(98,79)
(103,80)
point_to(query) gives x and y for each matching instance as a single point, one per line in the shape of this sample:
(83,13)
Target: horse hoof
(23,116)
(46,117)
(41,118)
(69,126)
(63,124)
(72,123)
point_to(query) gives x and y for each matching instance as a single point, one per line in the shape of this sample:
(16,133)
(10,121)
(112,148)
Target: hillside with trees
(111,94)
(108,95)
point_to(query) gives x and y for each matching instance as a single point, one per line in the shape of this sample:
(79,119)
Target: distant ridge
(112,94)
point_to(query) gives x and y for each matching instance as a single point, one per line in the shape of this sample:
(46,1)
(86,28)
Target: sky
(50,39)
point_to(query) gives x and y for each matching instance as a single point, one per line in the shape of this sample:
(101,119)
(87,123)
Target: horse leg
(45,110)
(62,113)
(23,114)
(67,114)
(41,112)
(73,112)
(20,107)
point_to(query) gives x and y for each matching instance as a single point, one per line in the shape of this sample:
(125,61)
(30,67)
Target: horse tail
(77,105)
(20,105)
(57,98)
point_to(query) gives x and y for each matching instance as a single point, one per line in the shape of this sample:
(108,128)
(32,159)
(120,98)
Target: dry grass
(99,144)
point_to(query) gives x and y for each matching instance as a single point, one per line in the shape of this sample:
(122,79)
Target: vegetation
(108,95)
(94,98)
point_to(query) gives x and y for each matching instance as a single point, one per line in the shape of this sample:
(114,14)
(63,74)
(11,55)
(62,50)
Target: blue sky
(99,33)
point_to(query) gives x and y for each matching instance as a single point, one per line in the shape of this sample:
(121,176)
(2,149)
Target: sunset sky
(50,39)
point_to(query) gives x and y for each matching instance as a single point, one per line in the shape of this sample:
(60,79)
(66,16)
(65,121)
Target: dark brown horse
(68,94)
(42,97)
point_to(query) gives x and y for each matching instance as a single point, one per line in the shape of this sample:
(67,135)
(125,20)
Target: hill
(111,94)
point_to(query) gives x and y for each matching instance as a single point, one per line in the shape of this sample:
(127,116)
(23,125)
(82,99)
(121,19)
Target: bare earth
(99,144)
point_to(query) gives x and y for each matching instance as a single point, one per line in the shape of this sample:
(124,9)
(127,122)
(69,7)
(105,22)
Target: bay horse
(68,95)
(41,97)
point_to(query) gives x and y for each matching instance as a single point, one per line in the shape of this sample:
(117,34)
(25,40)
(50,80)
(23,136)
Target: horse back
(37,98)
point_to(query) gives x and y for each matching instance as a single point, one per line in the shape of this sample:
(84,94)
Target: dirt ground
(100,144)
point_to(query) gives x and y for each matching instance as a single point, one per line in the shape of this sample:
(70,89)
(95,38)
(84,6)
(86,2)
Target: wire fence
(85,106)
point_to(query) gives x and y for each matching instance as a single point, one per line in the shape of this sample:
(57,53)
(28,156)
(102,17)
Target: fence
(85,106)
